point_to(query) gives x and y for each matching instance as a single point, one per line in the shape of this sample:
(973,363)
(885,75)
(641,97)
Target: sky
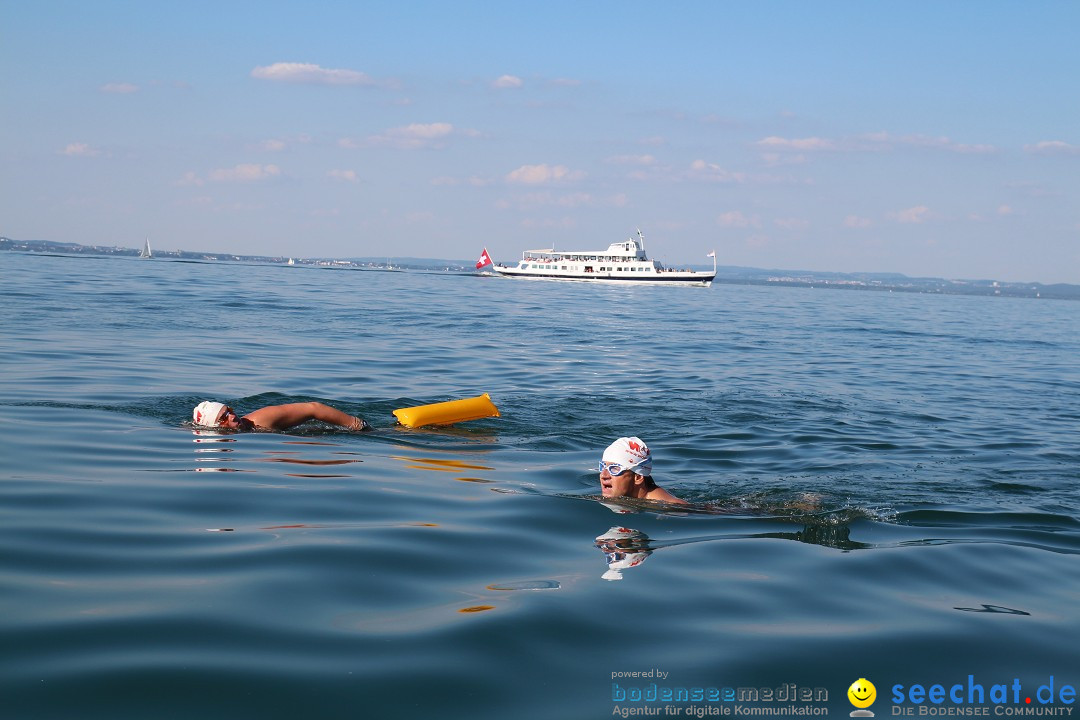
(934,139)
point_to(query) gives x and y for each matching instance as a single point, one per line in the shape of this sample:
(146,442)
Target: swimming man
(626,471)
(273,417)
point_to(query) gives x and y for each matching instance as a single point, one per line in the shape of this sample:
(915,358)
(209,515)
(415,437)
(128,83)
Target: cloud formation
(913,216)
(811,143)
(1052,147)
(505,82)
(887,141)
(542,174)
(416,135)
(248,172)
(310,74)
(869,142)
(79,149)
(735,219)
(343,175)
(701,170)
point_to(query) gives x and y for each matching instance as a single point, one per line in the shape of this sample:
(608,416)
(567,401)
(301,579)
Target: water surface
(884,486)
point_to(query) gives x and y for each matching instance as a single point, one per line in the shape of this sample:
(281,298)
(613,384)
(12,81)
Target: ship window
(524,266)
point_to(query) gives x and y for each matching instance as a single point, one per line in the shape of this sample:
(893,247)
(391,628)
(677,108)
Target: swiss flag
(485,259)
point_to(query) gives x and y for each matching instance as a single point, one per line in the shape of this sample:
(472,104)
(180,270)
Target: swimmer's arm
(283,417)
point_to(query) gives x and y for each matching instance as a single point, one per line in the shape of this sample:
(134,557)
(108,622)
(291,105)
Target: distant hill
(726,274)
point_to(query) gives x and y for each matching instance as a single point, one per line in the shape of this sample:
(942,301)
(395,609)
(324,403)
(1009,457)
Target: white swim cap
(206,413)
(631,453)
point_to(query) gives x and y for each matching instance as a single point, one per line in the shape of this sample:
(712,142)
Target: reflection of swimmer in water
(626,472)
(624,548)
(273,417)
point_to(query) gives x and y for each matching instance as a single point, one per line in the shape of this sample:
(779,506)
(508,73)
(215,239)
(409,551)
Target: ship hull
(699,279)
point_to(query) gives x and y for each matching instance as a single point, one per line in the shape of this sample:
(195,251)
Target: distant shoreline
(881,282)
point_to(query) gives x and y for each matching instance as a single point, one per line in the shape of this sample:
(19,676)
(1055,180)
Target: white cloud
(735,219)
(701,170)
(311,74)
(1005,210)
(868,142)
(190,179)
(120,88)
(507,81)
(543,174)
(1052,147)
(409,137)
(854,221)
(80,150)
(423,132)
(887,141)
(272,145)
(249,172)
(915,215)
(812,143)
(344,175)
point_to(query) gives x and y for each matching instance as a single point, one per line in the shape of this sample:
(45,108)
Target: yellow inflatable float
(447,413)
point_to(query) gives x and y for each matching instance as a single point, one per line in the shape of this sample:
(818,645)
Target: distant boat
(146,254)
(622,262)
(291,261)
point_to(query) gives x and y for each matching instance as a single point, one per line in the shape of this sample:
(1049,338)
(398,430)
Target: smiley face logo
(862,693)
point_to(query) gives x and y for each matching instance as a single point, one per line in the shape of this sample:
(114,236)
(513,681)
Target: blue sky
(927,138)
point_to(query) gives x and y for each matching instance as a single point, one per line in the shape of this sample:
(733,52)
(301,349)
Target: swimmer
(273,417)
(626,472)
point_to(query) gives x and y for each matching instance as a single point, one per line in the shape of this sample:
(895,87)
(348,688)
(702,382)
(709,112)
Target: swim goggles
(613,468)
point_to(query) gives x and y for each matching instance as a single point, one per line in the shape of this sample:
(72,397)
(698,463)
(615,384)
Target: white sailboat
(146,254)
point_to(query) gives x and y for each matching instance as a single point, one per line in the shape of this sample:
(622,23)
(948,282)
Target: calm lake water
(885,486)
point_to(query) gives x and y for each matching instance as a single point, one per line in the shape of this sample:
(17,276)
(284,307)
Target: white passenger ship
(621,262)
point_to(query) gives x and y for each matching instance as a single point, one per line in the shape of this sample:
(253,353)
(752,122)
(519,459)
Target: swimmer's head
(208,413)
(628,453)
